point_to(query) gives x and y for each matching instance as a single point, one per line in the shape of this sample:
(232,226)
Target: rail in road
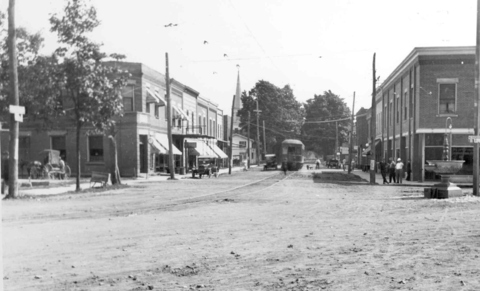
(155,206)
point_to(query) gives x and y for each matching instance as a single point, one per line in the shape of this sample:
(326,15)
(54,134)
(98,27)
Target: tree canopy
(321,137)
(280,110)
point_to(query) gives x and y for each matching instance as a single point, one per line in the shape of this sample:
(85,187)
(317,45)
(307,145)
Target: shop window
(58,143)
(447,98)
(95,148)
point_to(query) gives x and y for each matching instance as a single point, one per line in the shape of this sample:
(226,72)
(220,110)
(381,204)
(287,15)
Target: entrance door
(143,154)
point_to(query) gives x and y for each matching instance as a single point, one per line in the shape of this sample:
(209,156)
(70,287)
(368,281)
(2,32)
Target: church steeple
(237,105)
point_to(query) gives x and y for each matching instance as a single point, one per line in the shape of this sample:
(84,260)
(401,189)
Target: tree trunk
(79,128)
(14,100)
(114,171)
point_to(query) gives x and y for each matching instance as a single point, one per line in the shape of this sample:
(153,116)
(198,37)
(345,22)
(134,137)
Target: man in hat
(399,171)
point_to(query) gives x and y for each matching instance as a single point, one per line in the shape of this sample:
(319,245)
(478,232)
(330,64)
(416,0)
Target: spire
(237,104)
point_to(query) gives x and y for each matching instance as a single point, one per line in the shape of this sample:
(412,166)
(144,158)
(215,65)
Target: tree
(321,137)
(280,110)
(92,88)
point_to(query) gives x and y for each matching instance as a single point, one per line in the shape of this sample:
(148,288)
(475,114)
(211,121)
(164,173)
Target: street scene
(239,145)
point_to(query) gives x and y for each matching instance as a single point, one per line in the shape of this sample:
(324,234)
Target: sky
(311,45)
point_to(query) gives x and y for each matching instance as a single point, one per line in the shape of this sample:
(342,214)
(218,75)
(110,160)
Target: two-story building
(431,85)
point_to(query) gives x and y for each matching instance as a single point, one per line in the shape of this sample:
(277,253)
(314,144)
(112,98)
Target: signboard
(474,138)
(191,145)
(344,150)
(18,111)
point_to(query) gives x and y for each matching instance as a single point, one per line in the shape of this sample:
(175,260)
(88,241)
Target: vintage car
(206,167)
(270,162)
(333,164)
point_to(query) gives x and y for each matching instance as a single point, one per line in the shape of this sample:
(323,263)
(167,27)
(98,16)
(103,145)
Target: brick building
(142,140)
(412,106)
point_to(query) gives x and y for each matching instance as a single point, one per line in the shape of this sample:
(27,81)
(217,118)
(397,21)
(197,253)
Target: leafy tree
(92,88)
(280,110)
(321,137)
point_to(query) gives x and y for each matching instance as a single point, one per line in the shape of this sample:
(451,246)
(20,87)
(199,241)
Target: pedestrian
(245,165)
(284,166)
(399,171)
(5,170)
(409,170)
(317,163)
(383,170)
(344,164)
(391,174)
(61,166)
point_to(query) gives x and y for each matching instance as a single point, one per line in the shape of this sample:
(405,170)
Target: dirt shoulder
(283,233)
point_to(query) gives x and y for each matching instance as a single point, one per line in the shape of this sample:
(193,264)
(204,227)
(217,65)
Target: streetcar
(291,150)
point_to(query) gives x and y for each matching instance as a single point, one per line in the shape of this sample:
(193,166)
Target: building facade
(430,89)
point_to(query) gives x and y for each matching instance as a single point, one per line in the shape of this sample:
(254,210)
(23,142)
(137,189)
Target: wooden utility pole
(373,126)
(258,135)
(264,140)
(477,107)
(171,165)
(13,100)
(248,142)
(231,138)
(350,150)
(336,140)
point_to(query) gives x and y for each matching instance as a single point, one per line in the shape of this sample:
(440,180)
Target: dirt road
(260,231)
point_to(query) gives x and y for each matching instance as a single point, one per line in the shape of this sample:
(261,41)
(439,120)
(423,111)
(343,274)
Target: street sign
(344,150)
(18,111)
(474,138)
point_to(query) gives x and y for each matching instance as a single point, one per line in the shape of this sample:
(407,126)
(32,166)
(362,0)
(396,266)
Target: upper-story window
(127,94)
(242,144)
(447,96)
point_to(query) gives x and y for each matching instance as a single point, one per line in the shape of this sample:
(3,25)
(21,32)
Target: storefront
(160,152)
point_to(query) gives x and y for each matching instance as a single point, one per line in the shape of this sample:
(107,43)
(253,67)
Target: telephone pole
(350,150)
(336,140)
(373,126)
(248,142)
(171,166)
(230,158)
(477,107)
(264,140)
(258,135)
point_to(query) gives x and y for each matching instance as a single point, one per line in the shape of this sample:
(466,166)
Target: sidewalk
(55,187)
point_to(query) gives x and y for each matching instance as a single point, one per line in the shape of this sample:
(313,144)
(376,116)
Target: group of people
(395,170)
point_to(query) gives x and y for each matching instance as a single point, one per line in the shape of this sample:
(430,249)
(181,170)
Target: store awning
(219,152)
(160,97)
(199,148)
(151,97)
(157,147)
(162,140)
(180,112)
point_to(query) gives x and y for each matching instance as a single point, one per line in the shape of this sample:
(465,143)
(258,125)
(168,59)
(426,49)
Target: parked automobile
(333,164)
(270,162)
(206,167)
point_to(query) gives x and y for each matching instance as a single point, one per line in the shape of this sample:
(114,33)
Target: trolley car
(292,151)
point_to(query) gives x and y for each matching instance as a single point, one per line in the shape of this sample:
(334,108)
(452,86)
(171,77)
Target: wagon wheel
(68,172)
(46,171)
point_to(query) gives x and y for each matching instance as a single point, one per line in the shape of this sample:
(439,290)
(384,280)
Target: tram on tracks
(291,150)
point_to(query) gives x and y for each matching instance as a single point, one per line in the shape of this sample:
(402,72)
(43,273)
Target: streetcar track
(175,204)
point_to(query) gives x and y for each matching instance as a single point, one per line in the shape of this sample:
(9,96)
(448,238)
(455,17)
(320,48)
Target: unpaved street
(281,233)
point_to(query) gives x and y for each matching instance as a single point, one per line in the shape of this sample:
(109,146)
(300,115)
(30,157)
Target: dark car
(333,164)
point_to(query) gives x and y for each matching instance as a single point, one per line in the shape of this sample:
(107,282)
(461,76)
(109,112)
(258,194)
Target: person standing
(344,164)
(409,170)
(391,174)
(61,166)
(284,166)
(383,170)
(399,171)
(317,163)
(5,171)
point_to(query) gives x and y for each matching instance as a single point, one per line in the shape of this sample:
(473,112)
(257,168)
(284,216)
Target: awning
(160,97)
(219,152)
(180,112)
(151,97)
(162,140)
(200,148)
(158,148)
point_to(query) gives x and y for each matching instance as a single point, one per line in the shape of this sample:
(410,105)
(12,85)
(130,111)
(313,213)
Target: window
(127,94)
(95,148)
(242,144)
(447,96)
(148,107)
(405,106)
(157,114)
(398,109)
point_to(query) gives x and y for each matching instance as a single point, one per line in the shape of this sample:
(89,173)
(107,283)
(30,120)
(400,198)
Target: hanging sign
(474,138)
